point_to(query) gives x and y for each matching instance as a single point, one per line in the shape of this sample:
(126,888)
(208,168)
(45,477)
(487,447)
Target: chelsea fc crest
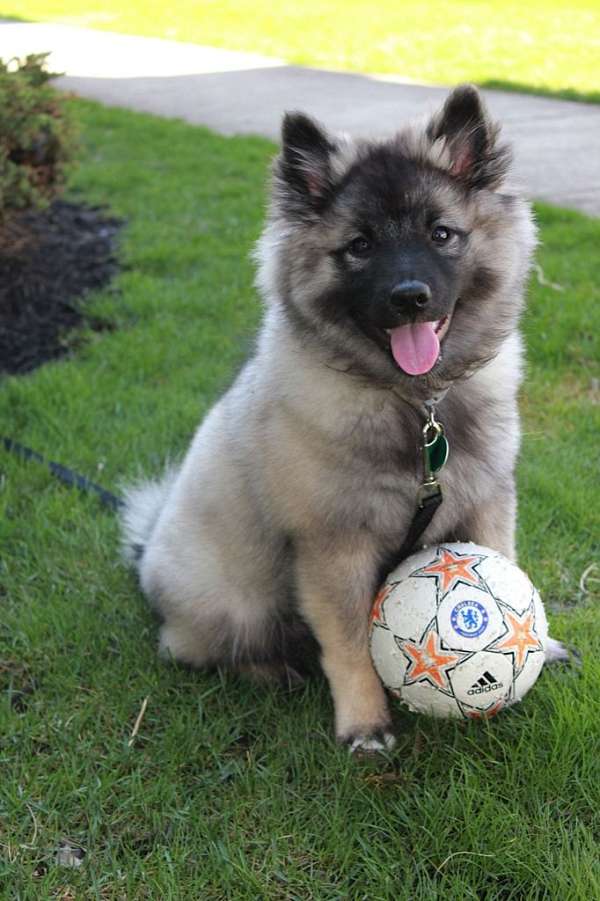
(469,619)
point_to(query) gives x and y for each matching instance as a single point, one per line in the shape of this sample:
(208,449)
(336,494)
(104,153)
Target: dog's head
(401,258)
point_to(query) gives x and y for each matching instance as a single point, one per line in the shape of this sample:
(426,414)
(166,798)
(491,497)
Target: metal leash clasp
(435,453)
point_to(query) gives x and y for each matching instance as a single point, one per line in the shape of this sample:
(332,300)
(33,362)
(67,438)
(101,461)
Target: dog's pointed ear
(471,137)
(304,165)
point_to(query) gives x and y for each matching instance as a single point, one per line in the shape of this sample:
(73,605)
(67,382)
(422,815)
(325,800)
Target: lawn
(537,46)
(229,791)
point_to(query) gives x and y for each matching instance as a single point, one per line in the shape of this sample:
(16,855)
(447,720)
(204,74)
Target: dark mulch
(49,261)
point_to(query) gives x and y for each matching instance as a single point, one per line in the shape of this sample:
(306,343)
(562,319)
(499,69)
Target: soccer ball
(458,630)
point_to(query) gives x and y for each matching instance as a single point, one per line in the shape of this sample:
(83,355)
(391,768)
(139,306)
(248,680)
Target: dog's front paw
(376,742)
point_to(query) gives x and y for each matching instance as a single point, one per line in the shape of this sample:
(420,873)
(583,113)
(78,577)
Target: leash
(66,475)
(434,450)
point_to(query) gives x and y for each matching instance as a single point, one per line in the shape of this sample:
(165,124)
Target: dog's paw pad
(373,743)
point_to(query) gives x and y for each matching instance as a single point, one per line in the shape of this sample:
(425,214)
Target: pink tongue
(415,347)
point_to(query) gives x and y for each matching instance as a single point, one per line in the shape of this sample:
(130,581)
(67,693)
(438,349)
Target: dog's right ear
(304,165)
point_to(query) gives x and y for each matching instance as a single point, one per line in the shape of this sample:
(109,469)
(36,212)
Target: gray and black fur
(300,483)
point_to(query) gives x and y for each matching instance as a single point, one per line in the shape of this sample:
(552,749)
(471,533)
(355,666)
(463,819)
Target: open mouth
(415,347)
(441,326)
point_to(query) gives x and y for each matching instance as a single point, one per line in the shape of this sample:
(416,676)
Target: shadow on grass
(496,84)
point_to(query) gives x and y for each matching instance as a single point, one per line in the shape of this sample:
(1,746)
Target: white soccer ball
(458,630)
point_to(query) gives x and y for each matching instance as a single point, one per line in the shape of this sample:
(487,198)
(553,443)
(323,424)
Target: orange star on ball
(451,568)
(376,610)
(520,638)
(428,661)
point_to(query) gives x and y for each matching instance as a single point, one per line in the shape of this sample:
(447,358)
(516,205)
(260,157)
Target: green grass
(546,47)
(230,791)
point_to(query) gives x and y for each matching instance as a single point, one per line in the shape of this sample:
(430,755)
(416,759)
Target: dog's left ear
(471,137)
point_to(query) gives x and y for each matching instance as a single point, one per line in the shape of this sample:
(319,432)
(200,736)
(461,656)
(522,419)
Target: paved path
(557,143)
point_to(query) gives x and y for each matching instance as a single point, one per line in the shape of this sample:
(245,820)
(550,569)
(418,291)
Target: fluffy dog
(392,273)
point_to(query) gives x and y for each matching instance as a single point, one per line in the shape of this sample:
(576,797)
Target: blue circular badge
(469,619)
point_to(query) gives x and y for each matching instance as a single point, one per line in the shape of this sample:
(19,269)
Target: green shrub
(36,135)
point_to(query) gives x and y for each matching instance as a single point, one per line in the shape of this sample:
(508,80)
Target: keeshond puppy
(393,273)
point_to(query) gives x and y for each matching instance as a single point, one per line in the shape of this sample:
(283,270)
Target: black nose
(410,295)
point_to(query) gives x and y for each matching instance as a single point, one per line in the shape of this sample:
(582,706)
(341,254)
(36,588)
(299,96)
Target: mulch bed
(49,260)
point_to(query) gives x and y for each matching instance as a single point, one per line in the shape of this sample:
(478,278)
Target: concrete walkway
(557,143)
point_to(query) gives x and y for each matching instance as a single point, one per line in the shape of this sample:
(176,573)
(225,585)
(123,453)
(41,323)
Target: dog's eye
(441,234)
(360,247)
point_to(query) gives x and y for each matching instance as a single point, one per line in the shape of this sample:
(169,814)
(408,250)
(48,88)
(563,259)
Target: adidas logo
(486,683)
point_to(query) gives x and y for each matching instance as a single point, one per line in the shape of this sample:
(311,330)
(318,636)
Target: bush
(36,135)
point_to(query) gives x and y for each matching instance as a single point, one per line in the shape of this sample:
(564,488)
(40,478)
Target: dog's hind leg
(268,651)
(200,643)
(556,652)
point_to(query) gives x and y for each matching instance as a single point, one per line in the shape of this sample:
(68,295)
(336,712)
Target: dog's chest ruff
(383,495)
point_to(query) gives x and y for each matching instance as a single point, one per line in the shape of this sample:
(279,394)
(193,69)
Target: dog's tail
(142,504)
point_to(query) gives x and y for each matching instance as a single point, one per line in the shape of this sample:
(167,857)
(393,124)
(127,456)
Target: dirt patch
(49,261)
